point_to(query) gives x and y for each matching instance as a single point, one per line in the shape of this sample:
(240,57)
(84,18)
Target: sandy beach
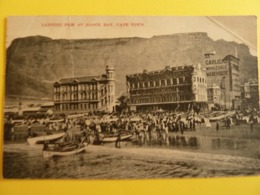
(226,153)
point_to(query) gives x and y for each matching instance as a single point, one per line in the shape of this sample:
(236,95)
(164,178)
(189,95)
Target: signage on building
(215,61)
(218,73)
(216,67)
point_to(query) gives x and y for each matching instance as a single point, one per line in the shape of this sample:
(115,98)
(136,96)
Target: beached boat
(66,150)
(221,116)
(217,118)
(44,138)
(108,139)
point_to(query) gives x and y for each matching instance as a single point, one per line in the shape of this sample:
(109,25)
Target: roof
(167,68)
(47,104)
(27,109)
(92,78)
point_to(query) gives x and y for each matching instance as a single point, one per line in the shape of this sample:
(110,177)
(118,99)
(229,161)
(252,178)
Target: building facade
(250,95)
(84,94)
(225,74)
(173,88)
(215,97)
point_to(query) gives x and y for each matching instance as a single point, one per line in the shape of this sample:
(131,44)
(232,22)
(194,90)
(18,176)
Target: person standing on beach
(251,122)
(217,126)
(12,133)
(194,125)
(29,130)
(228,123)
(117,144)
(158,130)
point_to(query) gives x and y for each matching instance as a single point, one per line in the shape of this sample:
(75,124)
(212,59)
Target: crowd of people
(143,125)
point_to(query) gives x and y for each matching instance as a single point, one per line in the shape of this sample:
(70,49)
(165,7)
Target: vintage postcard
(91,97)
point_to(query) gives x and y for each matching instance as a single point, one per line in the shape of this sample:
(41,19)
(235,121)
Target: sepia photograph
(131,97)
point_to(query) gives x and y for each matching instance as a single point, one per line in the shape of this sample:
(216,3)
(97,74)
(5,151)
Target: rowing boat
(64,150)
(44,138)
(114,138)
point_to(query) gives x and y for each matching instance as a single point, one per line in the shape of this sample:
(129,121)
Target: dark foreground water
(180,156)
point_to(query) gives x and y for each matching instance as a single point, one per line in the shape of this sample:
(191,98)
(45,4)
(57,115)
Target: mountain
(35,63)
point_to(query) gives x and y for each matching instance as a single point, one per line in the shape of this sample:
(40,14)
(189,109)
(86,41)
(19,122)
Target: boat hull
(50,153)
(42,139)
(113,139)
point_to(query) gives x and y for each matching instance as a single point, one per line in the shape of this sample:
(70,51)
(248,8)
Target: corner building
(173,88)
(84,94)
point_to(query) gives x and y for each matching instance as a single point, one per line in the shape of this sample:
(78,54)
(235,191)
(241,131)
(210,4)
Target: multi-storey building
(215,97)
(225,73)
(84,94)
(173,88)
(250,95)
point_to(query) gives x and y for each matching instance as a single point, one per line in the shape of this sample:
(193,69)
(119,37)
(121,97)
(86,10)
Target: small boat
(113,138)
(44,138)
(64,150)
(221,116)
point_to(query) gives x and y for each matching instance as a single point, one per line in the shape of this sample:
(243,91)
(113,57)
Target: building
(173,88)
(84,94)
(225,73)
(250,95)
(47,108)
(215,97)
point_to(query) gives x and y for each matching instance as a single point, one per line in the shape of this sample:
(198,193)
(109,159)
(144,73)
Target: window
(168,81)
(151,84)
(181,80)
(162,82)
(75,96)
(157,83)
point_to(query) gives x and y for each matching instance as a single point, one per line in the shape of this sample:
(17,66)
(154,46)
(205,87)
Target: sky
(241,29)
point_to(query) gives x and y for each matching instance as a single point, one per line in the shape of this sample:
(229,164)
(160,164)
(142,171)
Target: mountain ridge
(34,63)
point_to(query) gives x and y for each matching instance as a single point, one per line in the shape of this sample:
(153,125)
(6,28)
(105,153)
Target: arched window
(64,96)
(83,95)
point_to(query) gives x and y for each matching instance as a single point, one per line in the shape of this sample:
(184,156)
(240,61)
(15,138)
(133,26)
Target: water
(179,156)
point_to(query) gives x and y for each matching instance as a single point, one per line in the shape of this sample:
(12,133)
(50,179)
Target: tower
(110,73)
